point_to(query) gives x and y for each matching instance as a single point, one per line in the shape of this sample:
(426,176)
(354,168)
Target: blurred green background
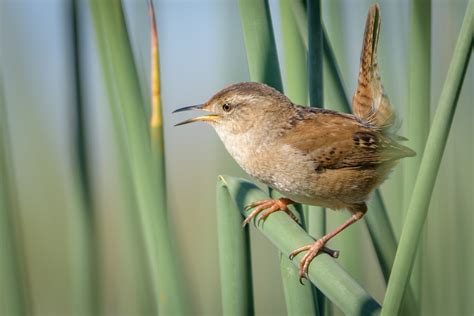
(202,50)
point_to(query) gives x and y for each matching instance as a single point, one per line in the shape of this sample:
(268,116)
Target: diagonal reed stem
(287,235)
(436,142)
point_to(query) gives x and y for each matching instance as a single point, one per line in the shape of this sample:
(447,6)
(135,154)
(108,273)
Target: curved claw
(274,208)
(255,212)
(313,250)
(296,252)
(272,205)
(301,278)
(329,251)
(256,203)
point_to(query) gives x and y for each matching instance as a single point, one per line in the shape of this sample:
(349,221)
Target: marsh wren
(310,155)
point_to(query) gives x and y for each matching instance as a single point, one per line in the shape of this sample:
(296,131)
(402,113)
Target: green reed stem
(287,235)
(87,283)
(299,298)
(165,275)
(316,215)
(436,142)
(296,70)
(418,110)
(156,113)
(14,294)
(234,257)
(260,42)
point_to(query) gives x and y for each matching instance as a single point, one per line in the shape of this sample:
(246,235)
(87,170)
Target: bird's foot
(312,251)
(270,206)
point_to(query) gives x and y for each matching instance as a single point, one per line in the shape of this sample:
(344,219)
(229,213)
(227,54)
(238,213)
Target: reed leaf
(316,215)
(294,57)
(87,283)
(234,257)
(287,235)
(433,153)
(259,41)
(418,112)
(14,299)
(336,98)
(299,298)
(156,116)
(117,60)
(315,53)
(123,169)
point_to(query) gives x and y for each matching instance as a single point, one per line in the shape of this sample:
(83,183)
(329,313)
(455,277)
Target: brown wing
(335,141)
(369,101)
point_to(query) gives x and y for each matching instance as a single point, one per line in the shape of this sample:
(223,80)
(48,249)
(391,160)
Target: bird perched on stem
(310,155)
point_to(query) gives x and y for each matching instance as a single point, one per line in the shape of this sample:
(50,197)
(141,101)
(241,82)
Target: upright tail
(369,101)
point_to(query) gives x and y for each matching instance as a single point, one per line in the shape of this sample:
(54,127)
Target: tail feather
(369,101)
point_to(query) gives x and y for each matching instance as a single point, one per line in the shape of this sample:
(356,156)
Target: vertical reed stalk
(85,250)
(337,98)
(418,112)
(316,215)
(315,54)
(123,168)
(299,298)
(165,276)
(296,70)
(260,42)
(14,299)
(234,256)
(156,117)
(436,142)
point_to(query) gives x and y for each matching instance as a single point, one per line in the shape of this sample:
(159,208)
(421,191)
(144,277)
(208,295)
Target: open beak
(204,118)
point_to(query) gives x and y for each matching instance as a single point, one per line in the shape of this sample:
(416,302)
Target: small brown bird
(310,155)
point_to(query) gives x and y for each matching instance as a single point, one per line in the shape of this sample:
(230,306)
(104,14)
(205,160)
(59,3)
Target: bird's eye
(226,107)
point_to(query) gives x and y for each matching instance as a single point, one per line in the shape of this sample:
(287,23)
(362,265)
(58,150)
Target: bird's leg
(318,245)
(270,206)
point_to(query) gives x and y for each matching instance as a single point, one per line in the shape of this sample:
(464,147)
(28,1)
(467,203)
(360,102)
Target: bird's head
(240,106)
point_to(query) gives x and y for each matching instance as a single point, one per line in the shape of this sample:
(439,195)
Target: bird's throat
(244,147)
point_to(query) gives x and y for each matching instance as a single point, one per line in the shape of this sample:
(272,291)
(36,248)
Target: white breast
(242,147)
(268,163)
